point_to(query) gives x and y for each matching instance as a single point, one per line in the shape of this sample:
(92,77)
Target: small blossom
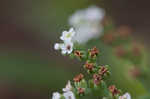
(125,96)
(114,90)
(67,48)
(78,78)
(93,52)
(87,23)
(68,87)
(78,54)
(69,95)
(57,46)
(89,66)
(81,90)
(103,70)
(94,13)
(82,17)
(97,79)
(68,35)
(56,95)
(87,32)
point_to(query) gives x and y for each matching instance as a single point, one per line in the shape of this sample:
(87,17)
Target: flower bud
(97,79)
(114,90)
(81,90)
(103,70)
(78,54)
(93,52)
(89,66)
(78,78)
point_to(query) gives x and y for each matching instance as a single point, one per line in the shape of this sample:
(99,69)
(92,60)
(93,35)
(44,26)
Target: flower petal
(56,95)
(57,46)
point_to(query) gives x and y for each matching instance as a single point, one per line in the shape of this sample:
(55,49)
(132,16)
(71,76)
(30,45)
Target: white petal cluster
(87,23)
(67,46)
(68,94)
(68,87)
(56,95)
(125,96)
(68,35)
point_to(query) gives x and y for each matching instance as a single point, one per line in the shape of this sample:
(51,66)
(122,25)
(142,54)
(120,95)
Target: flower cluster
(68,94)
(88,23)
(67,46)
(81,86)
(121,34)
(126,49)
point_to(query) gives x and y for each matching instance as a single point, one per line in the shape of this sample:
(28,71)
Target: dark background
(29,67)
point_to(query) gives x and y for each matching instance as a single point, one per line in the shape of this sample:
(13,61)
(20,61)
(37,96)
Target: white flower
(68,87)
(90,15)
(67,35)
(69,95)
(78,18)
(87,23)
(56,95)
(67,47)
(125,96)
(57,46)
(85,33)
(94,13)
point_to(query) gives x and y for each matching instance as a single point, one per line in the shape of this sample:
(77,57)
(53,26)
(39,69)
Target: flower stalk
(81,86)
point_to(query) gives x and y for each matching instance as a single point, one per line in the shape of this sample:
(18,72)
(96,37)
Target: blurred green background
(29,66)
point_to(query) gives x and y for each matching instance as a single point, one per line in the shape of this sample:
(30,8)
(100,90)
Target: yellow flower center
(68,35)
